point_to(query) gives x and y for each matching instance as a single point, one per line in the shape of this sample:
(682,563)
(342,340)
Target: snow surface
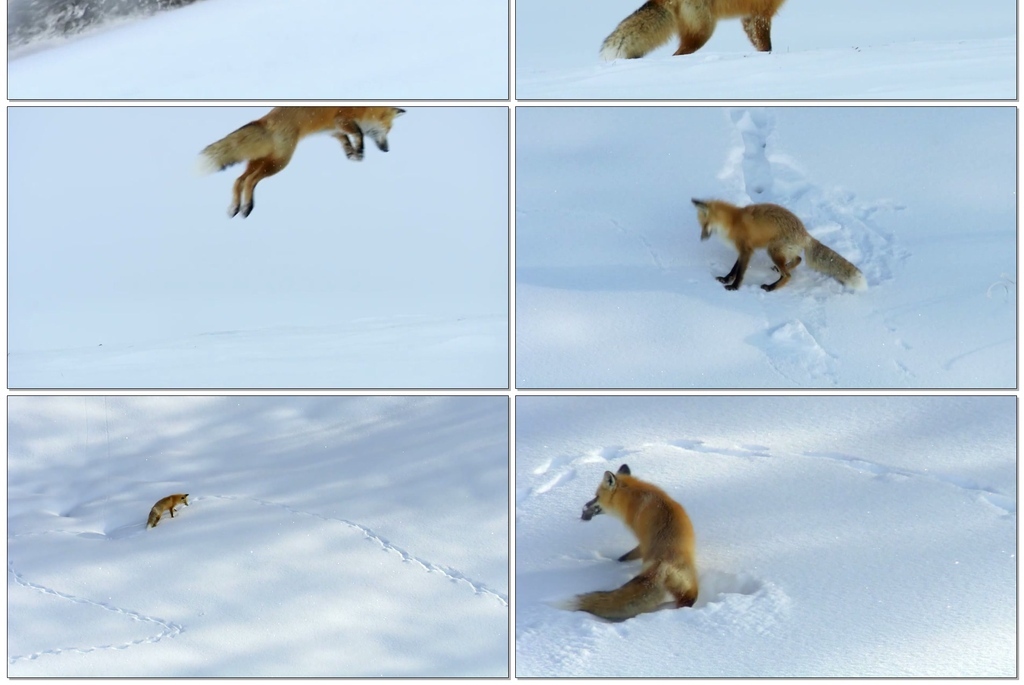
(822,49)
(615,289)
(273,50)
(836,536)
(126,271)
(332,536)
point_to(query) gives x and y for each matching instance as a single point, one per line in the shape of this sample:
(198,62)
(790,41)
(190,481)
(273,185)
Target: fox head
(379,128)
(605,491)
(184,498)
(704,217)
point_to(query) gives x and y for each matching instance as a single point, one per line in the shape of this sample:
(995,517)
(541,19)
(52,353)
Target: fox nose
(590,509)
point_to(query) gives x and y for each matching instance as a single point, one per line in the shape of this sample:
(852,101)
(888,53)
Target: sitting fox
(693,21)
(268,143)
(666,547)
(166,504)
(777,230)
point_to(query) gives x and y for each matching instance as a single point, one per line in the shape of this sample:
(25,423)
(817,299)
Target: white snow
(615,289)
(126,271)
(822,49)
(836,536)
(273,50)
(331,536)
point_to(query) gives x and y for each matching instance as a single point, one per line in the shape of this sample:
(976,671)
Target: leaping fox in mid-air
(268,143)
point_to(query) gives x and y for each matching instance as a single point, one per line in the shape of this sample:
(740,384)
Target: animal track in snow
(998,500)
(168,628)
(171,629)
(758,451)
(385,544)
(796,347)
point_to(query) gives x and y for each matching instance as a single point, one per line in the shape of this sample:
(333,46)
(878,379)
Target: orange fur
(166,504)
(692,21)
(666,547)
(775,229)
(268,143)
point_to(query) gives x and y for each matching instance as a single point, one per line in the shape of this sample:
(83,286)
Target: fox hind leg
(783,266)
(759,31)
(257,170)
(694,31)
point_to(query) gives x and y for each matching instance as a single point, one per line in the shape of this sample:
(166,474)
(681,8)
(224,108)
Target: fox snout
(591,509)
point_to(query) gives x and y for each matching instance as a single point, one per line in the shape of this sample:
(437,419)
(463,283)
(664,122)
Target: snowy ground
(325,536)
(822,49)
(836,536)
(615,289)
(390,272)
(272,50)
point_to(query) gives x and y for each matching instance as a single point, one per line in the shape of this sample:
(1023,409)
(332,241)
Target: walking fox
(166,504)
(268,143)
(777,230)
(693,21)
(666,548)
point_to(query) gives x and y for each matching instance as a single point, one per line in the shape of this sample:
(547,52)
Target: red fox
(777,230)
(692,20)
(268,143)
(666,548)
(166,504)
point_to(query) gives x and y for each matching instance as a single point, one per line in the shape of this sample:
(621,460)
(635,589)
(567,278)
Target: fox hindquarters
(666,547)
(267,144)
(692,21)
(166,504)
(778,231)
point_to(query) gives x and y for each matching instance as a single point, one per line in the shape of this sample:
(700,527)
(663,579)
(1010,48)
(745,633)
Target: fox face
(378,129)
(605,490)
(704,217)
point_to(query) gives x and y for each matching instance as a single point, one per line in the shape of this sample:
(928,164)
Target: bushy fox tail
(829,262)
(644,593)
(252,141)
(649,27)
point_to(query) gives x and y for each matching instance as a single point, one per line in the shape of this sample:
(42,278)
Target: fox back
(660,524)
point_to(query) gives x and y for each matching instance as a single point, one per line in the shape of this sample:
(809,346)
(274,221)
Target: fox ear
(624,469)
(700,204)
(398,111)
(609,479)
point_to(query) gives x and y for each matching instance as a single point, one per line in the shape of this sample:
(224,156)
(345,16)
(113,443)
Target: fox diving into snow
(666,544)
(268,143)
(166,504)
(692,21)
(777,230)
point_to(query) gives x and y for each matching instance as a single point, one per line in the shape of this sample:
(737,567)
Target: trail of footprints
(562,469)
(171,629)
